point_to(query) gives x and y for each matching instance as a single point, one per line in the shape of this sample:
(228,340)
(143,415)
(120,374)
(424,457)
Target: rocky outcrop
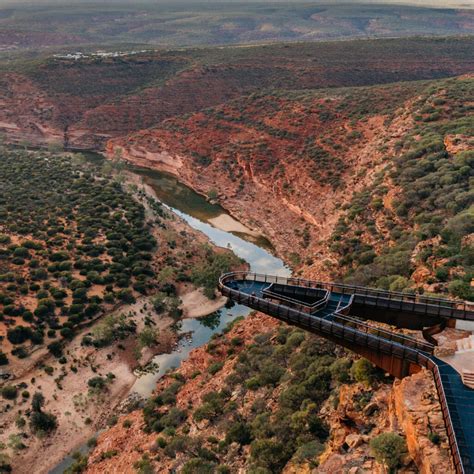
(409,408)
(416,408)
(361,414)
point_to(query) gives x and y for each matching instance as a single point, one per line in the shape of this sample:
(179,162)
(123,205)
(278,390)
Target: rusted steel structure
(334,310)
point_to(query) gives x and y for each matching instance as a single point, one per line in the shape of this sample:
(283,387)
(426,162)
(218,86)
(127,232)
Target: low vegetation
(429,221)
(297,372)
(73,244)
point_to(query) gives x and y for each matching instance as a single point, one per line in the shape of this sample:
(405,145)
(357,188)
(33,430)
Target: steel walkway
(323,308)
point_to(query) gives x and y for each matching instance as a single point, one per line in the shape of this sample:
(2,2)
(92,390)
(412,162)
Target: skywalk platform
(345,314)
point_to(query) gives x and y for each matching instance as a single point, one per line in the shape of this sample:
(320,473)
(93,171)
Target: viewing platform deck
(348,316)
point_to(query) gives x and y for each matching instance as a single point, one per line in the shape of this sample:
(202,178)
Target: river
(206,217)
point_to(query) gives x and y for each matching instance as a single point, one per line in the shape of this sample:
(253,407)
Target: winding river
(222,230)
(205,217)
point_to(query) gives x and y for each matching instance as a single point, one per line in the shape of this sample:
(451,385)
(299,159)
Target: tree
(148,337)
(388,449)
(41,422)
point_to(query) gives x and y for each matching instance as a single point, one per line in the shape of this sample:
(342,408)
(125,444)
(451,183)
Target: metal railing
(346,333)
(448,422)
(342,310)
(384,333)
(306,307)
(362,335)
(371,296)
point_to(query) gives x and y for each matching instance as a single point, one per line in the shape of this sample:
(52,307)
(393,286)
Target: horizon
(415,3)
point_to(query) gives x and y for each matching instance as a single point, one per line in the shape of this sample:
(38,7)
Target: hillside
(271,157)
(82,102)
(369,184)
(354,158)
(49,24)
(266,398)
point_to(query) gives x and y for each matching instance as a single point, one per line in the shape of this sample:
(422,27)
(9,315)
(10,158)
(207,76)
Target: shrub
(9,392)
(144,466)
(461,289)
(213,406)
(173,418)
(56,348)
(239,432)
(388,449)
(435,438)
(42,422)
(340,370)
(293,396)
(271,373)
(3,358)
(97,384)
(19,334)
(269,454)
(161,442)
(308,451)
(215,367)
(198,466)
(363,371)
(92,442)
(148,337)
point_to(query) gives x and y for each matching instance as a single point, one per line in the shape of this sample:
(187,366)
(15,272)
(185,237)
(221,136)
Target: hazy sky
(428,3)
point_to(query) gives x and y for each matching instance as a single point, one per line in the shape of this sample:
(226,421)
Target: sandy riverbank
(195,305)
(229,224)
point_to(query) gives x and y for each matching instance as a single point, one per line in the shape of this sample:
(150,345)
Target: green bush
(435,438)
(363,371)
(212,406)
(3,358)
(388,449)
(269,454)
(340,370)
(198,466)
(43,422)
(9,392)
(239,432)
(215,367)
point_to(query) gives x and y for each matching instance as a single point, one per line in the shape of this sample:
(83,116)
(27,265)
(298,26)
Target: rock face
(409,408)
(417,411)
(360,415)
(271,156)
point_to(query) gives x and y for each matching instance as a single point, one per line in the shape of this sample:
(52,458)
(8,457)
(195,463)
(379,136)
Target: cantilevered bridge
(348,316)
